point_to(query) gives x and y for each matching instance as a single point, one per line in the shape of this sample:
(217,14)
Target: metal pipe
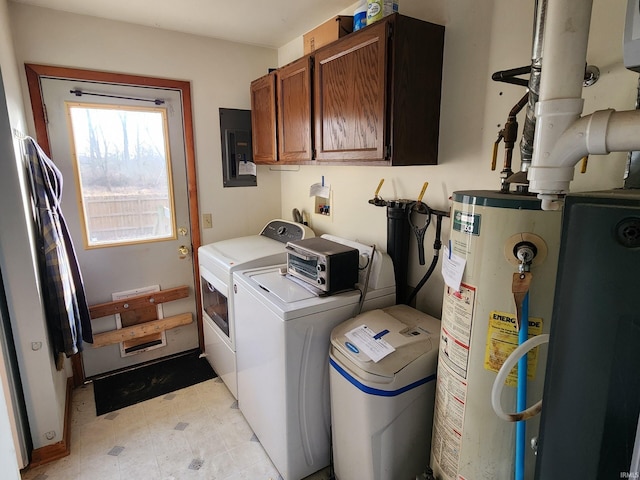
(510,134)
(529,128)
(538,30)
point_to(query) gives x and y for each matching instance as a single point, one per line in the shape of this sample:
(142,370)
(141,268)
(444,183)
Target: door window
(122,163)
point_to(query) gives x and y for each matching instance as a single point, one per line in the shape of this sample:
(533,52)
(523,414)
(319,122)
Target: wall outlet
(207,221)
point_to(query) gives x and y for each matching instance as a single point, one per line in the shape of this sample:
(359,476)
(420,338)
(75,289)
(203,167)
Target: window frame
(88,244)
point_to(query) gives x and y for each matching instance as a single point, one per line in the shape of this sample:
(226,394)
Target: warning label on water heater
(502,339)
(457,316)
(448,422)
(451,385)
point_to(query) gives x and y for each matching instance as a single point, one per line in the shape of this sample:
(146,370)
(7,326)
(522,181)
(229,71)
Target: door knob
(183,251)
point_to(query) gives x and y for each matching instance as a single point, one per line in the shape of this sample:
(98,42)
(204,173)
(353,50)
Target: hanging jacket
(65,303)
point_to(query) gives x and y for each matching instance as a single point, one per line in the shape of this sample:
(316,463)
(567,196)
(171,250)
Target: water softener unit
(479,331)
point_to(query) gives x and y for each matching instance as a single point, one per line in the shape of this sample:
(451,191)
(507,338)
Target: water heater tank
(478,332)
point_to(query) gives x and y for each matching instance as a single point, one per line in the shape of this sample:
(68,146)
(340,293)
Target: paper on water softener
(370,343)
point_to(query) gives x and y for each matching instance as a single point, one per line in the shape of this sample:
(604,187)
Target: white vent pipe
(562,138)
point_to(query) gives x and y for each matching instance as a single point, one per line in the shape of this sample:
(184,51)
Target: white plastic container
(382,412)
(360,16)
(376,9)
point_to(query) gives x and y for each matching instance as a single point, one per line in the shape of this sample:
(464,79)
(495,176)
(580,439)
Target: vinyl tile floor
(194,433)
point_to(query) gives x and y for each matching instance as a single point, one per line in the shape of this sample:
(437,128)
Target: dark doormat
(135,386)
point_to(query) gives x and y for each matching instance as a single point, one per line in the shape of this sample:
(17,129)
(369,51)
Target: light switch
(207,221)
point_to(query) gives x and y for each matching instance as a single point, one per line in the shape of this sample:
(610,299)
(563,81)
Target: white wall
(480,38)
(44,387)
(219,72)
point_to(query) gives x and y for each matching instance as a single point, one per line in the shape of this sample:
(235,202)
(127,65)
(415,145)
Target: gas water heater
(478,331)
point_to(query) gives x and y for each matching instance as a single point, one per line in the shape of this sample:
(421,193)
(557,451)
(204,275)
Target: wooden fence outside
(113,218)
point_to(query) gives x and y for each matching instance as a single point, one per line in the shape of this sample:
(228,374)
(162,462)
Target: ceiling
(270,23)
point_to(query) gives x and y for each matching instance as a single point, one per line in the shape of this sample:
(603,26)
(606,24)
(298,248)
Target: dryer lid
(226,256)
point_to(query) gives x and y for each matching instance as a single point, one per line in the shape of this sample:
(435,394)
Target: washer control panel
(284,231)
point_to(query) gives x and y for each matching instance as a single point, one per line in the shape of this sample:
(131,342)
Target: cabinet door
(294,111)
(350,97)
(263,119)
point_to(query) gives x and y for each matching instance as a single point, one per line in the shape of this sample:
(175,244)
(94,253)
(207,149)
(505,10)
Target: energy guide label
(502,340)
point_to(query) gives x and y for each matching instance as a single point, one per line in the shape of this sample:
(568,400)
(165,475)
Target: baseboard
(61,449)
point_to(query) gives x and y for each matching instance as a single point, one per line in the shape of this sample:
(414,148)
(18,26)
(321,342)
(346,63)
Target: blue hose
(521,396)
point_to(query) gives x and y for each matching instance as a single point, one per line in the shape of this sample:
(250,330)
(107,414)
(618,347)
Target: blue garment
(65,303)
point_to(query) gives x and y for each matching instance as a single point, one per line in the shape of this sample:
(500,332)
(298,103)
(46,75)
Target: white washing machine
(217,263)
(283,340)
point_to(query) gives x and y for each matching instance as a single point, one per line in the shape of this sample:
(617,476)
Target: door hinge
(46,115)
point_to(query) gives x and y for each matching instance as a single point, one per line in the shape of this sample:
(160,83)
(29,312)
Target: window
(121,157)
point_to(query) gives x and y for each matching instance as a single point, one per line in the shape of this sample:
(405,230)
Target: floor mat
(135,386)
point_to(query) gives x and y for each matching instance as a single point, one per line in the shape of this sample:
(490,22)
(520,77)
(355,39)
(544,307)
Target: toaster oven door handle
(300,254)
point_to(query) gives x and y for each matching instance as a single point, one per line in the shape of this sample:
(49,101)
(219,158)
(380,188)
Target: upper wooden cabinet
(263,119)
(377,94)
(281,115)
(371,98)
(294,111)
(350,97)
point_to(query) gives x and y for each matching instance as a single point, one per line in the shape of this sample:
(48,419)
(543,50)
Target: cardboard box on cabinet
(326,33)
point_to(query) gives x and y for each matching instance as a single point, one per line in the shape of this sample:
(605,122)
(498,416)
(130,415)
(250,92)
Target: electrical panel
(238,168)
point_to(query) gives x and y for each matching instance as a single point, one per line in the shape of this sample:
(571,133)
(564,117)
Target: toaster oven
(329,266)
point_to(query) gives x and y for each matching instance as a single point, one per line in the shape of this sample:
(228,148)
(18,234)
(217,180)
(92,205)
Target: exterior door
(121,149)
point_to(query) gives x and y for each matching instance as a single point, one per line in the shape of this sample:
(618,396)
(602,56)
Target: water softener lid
(410,332)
